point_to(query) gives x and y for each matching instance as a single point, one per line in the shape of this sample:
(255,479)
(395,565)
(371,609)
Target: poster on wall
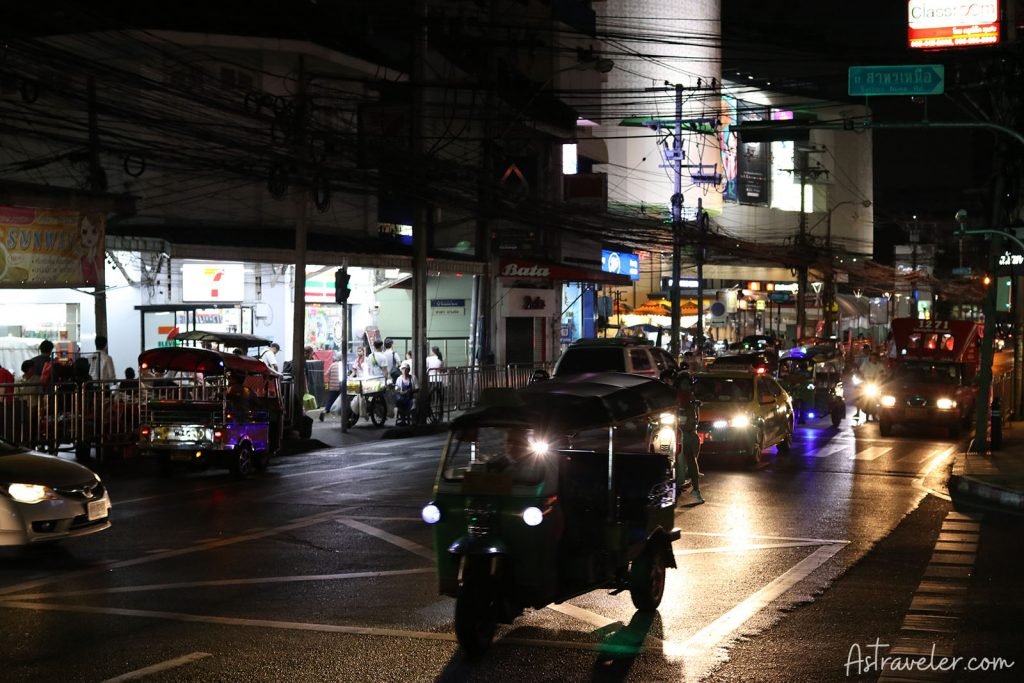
(752,159)
(727,143)
(50,247)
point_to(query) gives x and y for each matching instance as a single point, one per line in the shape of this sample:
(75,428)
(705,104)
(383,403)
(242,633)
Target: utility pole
(915,236)
(97,183)
(801,243)
(420,237)
(299,207)
(677,219)
(702,226)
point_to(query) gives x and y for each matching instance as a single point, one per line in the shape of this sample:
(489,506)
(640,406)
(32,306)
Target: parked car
(742,413)
(44,498)
(617,354)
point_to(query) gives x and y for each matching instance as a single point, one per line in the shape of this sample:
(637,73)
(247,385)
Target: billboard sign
(620,262)
(933,24)
(50,247)
(212,282)
(752,160)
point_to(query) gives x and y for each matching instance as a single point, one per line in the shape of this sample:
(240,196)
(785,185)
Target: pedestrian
(6,384)
(405,389)
(334,377)
(308,354)
(101,365)
(130,381)
(269,357)
(393,361)
(358,369)
(40,361)
(377,363)
(689,416)
(435,361)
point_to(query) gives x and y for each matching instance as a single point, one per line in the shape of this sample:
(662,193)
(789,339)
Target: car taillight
(761,370)
(218,436)
(145,432)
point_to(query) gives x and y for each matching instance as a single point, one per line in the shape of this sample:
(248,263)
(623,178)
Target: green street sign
(910,79)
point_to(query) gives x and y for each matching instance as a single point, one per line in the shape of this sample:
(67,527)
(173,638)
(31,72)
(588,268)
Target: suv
(617,354)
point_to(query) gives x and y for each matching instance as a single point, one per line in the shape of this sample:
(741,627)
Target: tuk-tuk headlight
(667,418)
(740,422)
(871,390)
(945,404)
(539,447)
(888,401)
(532,516)
(431,514)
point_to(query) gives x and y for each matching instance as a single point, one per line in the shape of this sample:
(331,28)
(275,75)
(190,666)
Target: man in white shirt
(377,363)
(269,357)
(101,366)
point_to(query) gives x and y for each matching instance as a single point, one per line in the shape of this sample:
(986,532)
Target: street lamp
(830,278)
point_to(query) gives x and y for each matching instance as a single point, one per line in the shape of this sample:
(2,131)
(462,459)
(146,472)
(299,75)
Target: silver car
(44,498)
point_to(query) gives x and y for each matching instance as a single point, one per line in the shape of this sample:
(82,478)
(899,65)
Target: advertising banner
(728,143)
(212,282)
(752,161)
(952,23)
(620,262)
(50,247)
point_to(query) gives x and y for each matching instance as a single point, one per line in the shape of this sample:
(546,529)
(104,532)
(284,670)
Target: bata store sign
(952,23)
(558,272)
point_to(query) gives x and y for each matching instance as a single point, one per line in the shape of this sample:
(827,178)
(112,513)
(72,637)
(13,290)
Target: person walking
(334,379)
(101,365)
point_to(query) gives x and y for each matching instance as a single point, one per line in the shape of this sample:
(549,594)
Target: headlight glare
(30,493)
(720,424)
(945,404)
(431,514)
(532,516)
(667,418)
(740,421)
(871,390)
(539,447)
(888,401)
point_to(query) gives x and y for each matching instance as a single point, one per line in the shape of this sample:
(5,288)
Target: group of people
(45,369)
(381,363)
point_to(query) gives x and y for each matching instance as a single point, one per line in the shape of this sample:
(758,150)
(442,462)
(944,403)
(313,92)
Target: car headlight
(532,516)
(720,424)
(810,386)
(30,493)
(539,447)
(945,404)
(431,514)
(888,401)
(871,390)
(739,422)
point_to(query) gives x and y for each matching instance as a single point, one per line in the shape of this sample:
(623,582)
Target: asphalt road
(322,570)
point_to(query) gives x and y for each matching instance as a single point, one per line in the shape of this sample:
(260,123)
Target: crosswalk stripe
(871,453)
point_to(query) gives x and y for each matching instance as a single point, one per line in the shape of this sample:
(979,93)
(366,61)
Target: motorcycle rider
(873,371)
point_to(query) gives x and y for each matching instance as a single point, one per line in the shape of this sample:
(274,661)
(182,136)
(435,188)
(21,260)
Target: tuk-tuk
(815,384)
(205,408)
(552,491)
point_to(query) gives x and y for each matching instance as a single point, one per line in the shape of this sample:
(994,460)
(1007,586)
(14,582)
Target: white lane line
(144,588)
(584,615)
(834,450)
(939,458)
(299,523)
(714,634)
(871,453)
(817,541)
(402,543)
(740,547)
(157,668)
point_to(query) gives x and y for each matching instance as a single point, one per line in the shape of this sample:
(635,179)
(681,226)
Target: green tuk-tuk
(553,491)
(814,381)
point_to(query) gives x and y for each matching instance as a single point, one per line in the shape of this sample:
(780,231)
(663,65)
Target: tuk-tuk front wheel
(647,579)
(242,462)
(476,613)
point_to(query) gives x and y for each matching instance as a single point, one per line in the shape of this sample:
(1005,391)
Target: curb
(975,493)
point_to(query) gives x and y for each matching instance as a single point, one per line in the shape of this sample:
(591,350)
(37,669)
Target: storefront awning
(534,269)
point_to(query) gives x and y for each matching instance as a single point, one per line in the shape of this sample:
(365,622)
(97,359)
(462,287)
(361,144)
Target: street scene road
(322,570)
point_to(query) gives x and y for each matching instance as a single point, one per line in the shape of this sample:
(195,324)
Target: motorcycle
(867,395)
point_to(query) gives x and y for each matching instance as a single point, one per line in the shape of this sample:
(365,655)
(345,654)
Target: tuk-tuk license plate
(97,509)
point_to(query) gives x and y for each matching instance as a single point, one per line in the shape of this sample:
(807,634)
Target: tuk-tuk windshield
(517,451)
(924,372)
(790,368)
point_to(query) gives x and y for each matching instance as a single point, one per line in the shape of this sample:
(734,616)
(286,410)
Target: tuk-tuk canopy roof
(574,404)
(232,339)
(191,359)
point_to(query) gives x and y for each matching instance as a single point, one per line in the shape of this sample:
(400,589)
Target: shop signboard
(536,269)
(50,247)
(447,307)
(212,282)
(935,24)
(623,263)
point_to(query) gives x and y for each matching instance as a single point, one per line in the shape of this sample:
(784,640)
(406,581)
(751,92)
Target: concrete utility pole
(702,226)
(299,208)
(677,219)
(420,236)
(915,237)
(802,245)
(97,183)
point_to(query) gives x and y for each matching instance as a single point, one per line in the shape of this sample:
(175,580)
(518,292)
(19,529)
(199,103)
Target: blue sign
(447,303)
(912,79)
(622,263)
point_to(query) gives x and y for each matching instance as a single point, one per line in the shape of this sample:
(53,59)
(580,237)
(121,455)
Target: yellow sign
(50,247)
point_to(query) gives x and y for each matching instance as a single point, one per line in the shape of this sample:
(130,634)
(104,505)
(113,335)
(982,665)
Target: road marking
(157,668)
(402,543)
(809,541)
(712,636)
(225,582)
(940,458)
(834,450)
(871,453)
(584,615)
(740,547)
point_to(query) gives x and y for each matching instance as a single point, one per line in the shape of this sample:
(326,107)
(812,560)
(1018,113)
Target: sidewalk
(328,434)
(993,480)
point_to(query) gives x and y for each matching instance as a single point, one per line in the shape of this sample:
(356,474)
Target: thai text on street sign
(911,79)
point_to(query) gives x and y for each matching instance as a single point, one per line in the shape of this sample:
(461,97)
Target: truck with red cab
(932,379)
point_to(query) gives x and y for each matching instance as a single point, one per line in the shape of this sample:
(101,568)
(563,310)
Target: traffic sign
(780,297)
(962,271)
(909,79)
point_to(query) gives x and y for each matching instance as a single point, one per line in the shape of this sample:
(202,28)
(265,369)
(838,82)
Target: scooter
(867,396)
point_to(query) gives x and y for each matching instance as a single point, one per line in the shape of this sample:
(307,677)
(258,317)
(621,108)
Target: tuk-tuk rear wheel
(476,614)
(647,579)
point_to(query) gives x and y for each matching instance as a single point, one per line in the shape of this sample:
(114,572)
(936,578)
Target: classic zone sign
(952,23)
(546,270)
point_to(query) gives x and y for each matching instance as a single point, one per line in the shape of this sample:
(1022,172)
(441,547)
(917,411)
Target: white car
(44,498)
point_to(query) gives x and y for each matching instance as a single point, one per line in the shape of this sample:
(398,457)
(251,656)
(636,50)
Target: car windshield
(723,389)
(928,373)
(578,360)
(515,451)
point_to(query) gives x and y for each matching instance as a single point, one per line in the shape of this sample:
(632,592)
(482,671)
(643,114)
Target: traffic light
(341,282)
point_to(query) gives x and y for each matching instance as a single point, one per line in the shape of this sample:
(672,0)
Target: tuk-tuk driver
(237,392)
